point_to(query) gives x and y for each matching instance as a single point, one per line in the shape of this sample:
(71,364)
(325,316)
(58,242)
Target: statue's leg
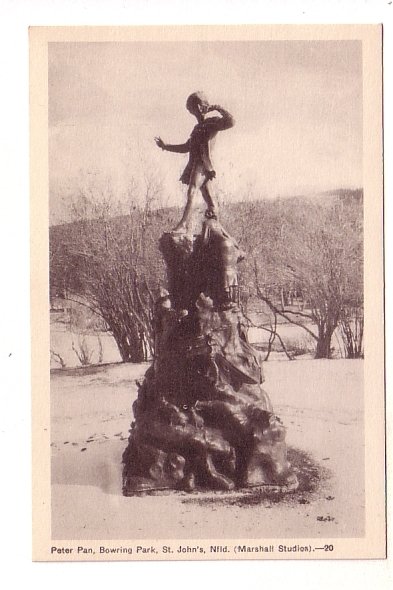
(197,179)
(210,200)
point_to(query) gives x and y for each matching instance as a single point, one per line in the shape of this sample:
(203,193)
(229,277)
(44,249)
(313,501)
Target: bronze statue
(202,419)
(199,171)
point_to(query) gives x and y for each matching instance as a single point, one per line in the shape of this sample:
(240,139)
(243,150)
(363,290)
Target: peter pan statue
(199,171)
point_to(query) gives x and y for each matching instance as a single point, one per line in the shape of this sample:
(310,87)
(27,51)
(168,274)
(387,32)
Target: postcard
(207,293)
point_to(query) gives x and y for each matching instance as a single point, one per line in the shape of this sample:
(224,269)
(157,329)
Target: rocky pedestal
(202,419)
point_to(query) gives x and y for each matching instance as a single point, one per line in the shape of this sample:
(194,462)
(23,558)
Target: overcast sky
(297,106)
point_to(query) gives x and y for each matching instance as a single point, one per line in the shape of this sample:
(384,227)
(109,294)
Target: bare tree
(107,264)
(84,353)
(351,329)
(58,358)
(309,247)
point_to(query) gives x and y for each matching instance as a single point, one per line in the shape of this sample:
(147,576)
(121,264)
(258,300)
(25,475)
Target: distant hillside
(304,251)
(257,225)
(170,215)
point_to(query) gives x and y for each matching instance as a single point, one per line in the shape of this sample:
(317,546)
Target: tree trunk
(130,345)
(351,326)
(282,299)
(324,342)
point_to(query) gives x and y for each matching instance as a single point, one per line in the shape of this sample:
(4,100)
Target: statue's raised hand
(159,142)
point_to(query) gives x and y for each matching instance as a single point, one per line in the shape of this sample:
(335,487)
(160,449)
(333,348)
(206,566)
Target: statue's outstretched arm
(181,148)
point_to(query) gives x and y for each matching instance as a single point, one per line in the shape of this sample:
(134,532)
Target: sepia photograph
(207,292)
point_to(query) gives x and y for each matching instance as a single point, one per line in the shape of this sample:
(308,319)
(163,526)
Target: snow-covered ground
(321,403)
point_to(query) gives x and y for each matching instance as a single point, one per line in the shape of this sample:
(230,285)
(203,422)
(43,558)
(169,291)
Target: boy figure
(199,171)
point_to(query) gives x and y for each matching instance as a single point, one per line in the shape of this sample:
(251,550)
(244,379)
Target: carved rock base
(202,419)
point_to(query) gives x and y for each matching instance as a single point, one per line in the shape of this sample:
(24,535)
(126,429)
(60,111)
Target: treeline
(308,250)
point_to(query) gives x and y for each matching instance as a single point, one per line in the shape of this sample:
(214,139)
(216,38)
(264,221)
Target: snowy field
(320,402)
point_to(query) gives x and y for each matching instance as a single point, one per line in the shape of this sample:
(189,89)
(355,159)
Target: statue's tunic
(200,143)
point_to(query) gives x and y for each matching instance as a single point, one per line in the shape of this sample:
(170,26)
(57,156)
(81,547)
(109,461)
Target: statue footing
(202,419)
